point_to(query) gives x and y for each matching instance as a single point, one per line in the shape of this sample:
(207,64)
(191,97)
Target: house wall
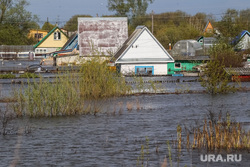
(159,69)
(33,32)
(244,42)
(145,47)
(103,34)
(185,66)
(43,50)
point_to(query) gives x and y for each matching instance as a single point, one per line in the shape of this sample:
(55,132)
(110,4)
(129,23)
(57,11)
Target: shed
(242,41)
(142,54)
(101,36)
(187,48)
(206,42)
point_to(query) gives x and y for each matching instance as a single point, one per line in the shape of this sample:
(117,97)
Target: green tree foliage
(19,17)
(4,7)
(226,55)
(233,22)
(171,27)
(48,26)
(10,35)
(72,24)
(215,78)
(132,8)
(15,22)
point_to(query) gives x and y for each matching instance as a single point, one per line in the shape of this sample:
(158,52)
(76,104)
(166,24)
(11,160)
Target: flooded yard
(115,135)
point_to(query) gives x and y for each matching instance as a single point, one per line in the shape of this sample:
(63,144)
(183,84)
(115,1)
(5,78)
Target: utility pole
(152,22)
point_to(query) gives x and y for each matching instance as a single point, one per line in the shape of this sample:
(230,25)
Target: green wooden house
(186,65)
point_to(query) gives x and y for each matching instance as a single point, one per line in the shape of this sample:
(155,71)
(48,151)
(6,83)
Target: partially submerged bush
(215,79)
(28,75)
(67,94)
(99,81)
(7,76)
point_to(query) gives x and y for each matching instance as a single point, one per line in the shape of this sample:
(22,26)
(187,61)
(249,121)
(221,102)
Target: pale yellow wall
(51,43)
(33,32)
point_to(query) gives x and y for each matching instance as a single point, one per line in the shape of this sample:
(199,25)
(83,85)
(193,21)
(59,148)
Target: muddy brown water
(114,137)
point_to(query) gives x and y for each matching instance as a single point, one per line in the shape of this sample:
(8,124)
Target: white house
(242,41)
(142,54)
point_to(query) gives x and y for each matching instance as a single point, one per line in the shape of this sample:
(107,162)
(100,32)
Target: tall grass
(99,81)
(220,135)
(67,93)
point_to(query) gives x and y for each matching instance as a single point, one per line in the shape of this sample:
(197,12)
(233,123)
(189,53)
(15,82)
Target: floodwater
(113,138)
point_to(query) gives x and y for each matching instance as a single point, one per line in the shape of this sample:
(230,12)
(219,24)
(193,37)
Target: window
(57,35)
(144,70)
(38,35)
(177,65)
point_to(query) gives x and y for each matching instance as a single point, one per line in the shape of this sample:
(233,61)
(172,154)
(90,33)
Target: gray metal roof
(16,48)
(238,71)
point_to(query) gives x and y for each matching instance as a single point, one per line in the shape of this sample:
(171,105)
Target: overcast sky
(62,10)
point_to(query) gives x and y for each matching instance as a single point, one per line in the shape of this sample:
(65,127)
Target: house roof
(238,71)
(192,58)
(70,45)
(130,41)
(208,26)
(48,36)
(207,40)
(16,48)
(240,36)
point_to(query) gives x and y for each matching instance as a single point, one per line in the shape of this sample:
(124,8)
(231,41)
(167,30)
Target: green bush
(215,79)
(67,94)
(7,76)
(28,75)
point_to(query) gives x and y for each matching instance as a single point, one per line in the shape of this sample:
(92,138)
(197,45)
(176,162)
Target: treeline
(169,27)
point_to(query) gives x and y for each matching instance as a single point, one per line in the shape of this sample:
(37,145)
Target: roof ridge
(49,35)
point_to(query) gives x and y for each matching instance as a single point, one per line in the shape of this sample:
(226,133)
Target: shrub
(66,94)
(7,76)
(28,75)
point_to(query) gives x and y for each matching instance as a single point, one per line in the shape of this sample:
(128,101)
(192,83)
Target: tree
(4,6)
(229,25)
(215,79)
(226,55)
(10,35)
(48,26)
(15,22)
(72,24)
(132,8)
(18,16)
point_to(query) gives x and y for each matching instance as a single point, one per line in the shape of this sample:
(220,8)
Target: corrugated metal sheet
(101,36)
(16,48)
